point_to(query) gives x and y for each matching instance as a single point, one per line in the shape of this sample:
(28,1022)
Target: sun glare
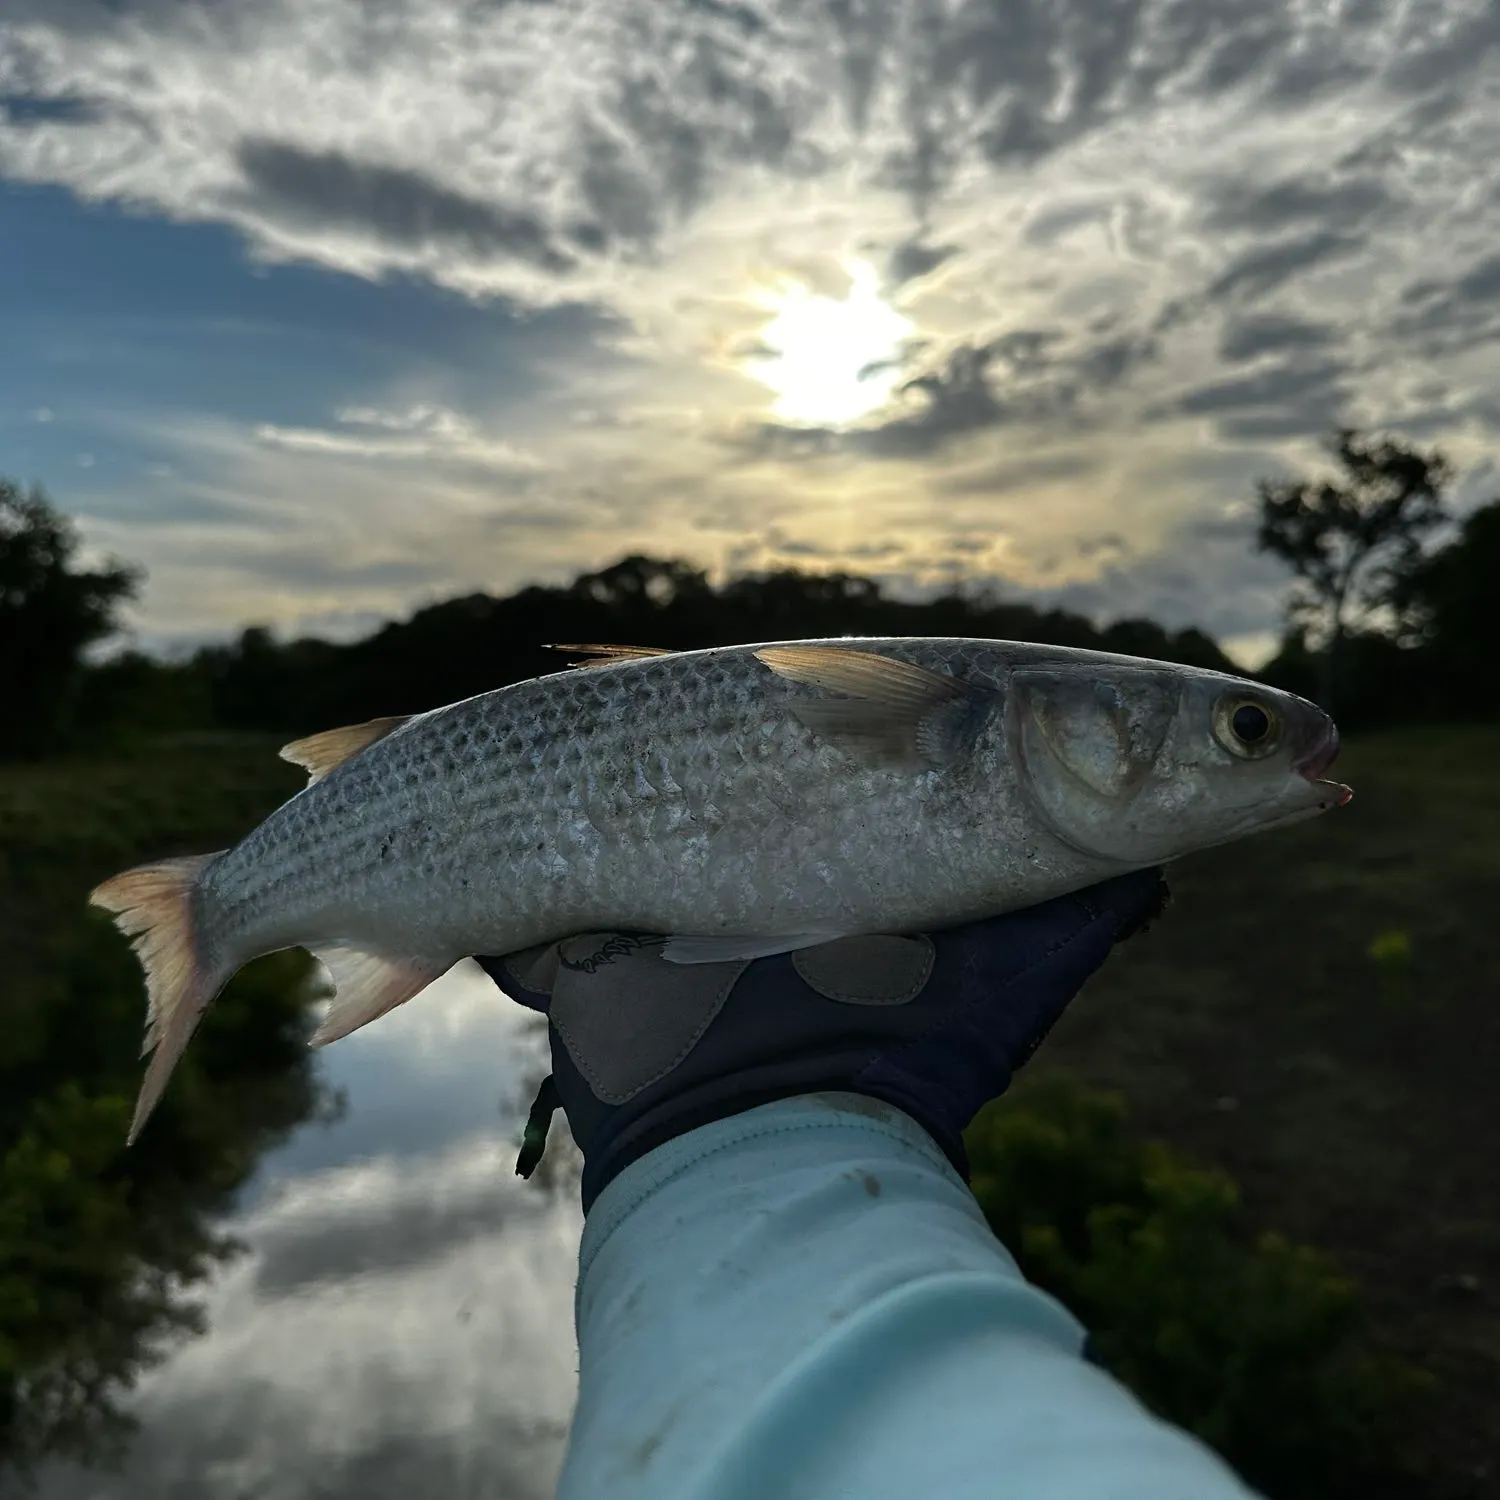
(831,359)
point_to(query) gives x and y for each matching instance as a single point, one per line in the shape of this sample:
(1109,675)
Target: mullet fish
(747,800)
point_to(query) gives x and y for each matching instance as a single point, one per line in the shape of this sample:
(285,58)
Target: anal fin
(367,985)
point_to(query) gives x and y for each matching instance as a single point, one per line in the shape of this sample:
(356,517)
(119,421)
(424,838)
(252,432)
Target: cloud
(1240,205)
(911,260)
(1121,233)
(1250,336)
(420,433)
(378,1218)
(1283,399)
(1012,474)
(20,109)
(955,398)
(1036,380)
(399,207)
(563,136)
(1267,267)
(1265,387)
(1205,573)
(1481,282)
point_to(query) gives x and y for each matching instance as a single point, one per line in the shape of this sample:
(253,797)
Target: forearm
(804,1299)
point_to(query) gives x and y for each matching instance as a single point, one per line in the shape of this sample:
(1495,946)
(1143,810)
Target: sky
(323,310)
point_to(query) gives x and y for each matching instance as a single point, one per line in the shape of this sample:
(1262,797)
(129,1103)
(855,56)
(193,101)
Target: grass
(1317,1014)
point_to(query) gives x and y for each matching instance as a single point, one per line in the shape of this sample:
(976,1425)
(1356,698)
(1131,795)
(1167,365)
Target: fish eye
(1246,727)
(1250,722)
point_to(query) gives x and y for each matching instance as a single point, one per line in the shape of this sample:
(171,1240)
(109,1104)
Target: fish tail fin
(153,906)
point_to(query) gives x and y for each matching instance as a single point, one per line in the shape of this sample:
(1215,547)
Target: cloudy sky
(323,309)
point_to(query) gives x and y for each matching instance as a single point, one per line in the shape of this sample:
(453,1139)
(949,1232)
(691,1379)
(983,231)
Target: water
(399,1322)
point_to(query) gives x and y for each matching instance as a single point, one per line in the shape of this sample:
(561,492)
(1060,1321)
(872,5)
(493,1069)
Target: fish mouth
(1335,789)
(1317,757)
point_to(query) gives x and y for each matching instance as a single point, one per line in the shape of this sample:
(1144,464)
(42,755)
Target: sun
(831,360)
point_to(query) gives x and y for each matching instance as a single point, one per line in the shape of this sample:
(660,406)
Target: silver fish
(747,800)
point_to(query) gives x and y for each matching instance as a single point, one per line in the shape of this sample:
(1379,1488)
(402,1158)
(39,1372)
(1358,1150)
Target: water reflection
(400,1321)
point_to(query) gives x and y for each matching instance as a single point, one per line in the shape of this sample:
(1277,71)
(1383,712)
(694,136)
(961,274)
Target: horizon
(324,318)
(178,650)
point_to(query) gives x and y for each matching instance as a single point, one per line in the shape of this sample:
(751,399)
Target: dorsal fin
(319,754)
(897,716)
(602,656)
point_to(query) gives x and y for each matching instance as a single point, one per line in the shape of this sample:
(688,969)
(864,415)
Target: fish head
(1140,764)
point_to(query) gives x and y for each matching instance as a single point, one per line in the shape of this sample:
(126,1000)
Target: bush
(1251,1342)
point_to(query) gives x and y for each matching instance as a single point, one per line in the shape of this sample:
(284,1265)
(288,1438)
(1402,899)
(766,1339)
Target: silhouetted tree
(1450,595)
(642,580)
(50,612)
(1352,543)
(474,643)
(1449,600)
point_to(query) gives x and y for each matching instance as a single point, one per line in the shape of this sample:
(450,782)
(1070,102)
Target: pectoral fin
(895,716)
(367,985)
(689,949)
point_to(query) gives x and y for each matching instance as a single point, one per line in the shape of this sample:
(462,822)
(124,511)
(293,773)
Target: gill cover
(1090,742)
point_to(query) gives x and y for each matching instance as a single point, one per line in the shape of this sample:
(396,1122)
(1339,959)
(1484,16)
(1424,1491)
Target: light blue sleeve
(804,1301)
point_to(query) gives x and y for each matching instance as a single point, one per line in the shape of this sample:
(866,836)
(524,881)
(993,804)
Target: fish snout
(1318,752)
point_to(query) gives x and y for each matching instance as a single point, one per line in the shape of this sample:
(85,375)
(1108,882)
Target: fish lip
(1340,793)
(1318,756)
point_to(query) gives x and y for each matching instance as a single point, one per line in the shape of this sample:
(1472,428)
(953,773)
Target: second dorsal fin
(602,656)
(319,754)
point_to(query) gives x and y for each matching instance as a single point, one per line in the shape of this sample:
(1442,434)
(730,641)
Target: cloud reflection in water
(401,1320)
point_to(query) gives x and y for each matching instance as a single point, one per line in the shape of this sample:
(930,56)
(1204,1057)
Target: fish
(739,801)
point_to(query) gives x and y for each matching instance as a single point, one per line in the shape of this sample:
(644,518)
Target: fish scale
(742,799)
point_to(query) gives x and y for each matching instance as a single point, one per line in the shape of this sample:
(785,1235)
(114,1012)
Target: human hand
(644,1049)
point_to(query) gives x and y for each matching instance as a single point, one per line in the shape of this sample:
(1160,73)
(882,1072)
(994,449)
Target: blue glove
(644,1049)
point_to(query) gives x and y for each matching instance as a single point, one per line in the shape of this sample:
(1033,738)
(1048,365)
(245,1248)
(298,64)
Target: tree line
(1389,620)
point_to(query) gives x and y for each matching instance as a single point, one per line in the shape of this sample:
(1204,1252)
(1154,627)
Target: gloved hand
(644,1049)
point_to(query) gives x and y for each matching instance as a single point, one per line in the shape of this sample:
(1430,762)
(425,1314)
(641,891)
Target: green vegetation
(98,1245)
(50,611)
(1316,1015)
(1249,1341)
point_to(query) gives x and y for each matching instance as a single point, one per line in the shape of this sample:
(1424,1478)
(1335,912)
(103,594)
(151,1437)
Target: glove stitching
(856,996)
(516,979)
